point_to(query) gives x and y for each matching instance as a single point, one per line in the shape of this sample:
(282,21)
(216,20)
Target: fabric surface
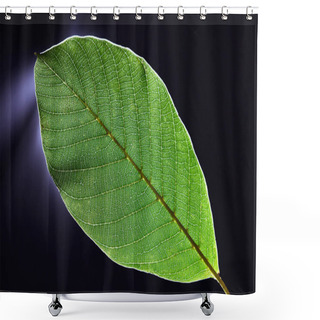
(209,68)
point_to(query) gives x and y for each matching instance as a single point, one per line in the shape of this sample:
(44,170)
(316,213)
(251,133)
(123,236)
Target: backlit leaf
(123,161)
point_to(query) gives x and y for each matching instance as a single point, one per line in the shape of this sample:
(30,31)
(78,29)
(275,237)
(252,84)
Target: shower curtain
(128,153)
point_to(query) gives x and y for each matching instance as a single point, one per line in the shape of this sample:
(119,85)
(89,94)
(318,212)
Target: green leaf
(123,161)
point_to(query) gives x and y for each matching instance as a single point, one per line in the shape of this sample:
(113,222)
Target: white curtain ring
(93,13)
(116,13)
(52,11)
(28,13)
(7,11)
(203,13)
(73,13)
(249,14)
(180,15)
(160,14)
(224,13)
(138,15)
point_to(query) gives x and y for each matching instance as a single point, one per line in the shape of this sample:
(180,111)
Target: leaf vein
(183,269)
(73,144)
(62,113)
(70,128)
(158,261)
(89,168)
(159,244)
(100,194)
(115,221)
(138,240)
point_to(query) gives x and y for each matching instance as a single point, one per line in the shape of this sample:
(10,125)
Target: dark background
(209,68)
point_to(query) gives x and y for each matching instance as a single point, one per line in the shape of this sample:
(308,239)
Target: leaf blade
(145,131)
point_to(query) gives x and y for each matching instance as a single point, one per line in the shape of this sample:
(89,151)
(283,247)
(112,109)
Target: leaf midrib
(159,197)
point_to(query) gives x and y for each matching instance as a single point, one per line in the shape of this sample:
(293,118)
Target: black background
(209,68)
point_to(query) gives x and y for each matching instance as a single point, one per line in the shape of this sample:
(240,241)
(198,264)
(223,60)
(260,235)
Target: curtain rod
(129,10)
